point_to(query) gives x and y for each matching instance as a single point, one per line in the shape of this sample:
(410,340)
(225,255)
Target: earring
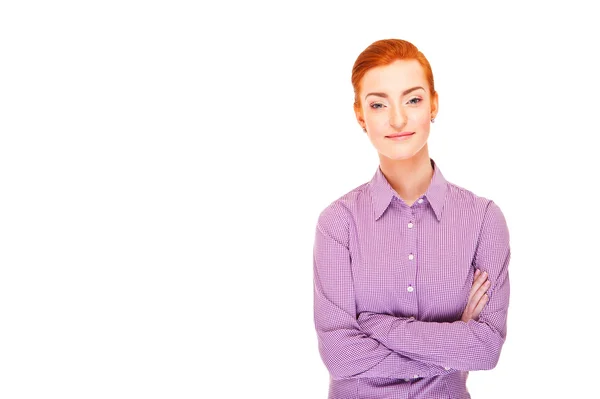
(364,129)
(432,120)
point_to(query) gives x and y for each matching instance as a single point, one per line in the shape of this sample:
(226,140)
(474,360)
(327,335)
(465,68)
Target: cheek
(378,122)
(421,118)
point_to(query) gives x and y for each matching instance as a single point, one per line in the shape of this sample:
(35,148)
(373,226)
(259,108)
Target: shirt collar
(382,192)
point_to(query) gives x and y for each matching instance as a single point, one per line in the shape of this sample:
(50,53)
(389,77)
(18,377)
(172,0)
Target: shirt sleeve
(346,350)
(472,345)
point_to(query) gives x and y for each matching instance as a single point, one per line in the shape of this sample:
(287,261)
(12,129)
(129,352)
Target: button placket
(411,256)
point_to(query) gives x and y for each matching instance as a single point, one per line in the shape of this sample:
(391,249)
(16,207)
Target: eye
(373,105)
(418,100)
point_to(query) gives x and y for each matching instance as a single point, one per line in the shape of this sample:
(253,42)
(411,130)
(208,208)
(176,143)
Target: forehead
(395,77)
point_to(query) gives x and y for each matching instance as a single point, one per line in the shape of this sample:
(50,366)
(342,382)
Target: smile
(398,138)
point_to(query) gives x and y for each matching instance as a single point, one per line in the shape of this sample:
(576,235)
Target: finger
(478,294)
(477,311)
(479,281)
(483,289)
(477,284)
(482,276)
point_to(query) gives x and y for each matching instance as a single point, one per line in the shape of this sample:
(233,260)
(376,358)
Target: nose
(397,117)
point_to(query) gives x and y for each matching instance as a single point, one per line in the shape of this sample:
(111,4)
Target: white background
(163,165)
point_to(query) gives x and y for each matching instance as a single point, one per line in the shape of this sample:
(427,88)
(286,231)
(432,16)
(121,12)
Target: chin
(398,156)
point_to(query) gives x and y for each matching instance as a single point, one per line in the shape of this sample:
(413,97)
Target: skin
(406,163)
(477,297)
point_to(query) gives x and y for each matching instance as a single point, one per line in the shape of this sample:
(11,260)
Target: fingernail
(477,272)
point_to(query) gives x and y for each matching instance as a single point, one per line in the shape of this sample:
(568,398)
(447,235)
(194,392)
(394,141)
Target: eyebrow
(405,92)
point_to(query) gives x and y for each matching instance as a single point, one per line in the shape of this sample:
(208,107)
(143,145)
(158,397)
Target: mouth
(398,135)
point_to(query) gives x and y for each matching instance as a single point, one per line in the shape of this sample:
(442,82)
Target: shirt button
(410,288)
(411,256)
(446,368)
(410,225)
(407,379)
(415,376)
(420,200)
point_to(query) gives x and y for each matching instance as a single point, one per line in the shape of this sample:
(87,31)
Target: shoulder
(465,198)
(486,211)
(337,216)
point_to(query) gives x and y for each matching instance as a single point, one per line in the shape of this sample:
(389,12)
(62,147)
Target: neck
(410,177)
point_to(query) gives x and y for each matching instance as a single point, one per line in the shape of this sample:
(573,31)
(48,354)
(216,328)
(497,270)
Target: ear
(359,117)
(434,105)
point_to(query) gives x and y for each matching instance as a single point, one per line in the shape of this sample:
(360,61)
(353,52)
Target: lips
(401,134)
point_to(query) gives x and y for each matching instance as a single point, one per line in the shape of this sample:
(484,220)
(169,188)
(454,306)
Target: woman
(401,307)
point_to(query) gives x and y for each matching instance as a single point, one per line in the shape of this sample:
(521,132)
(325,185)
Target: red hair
(384,52)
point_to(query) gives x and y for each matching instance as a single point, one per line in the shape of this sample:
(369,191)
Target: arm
(471,345)
(346,350)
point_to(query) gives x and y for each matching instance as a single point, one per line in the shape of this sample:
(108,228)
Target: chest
(414,265)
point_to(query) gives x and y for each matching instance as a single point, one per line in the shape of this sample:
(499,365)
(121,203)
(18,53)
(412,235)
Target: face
(395,99)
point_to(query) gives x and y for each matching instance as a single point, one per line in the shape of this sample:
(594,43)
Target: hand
(477,297)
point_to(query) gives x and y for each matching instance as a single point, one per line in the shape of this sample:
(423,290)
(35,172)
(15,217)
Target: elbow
(338,369)
(491,360)
(491,355)
(484,354)
(484,358)
(339,375)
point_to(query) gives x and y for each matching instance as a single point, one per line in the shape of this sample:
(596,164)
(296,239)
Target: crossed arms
(379,345)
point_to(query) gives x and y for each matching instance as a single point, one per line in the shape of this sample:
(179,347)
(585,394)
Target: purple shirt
(391,282)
